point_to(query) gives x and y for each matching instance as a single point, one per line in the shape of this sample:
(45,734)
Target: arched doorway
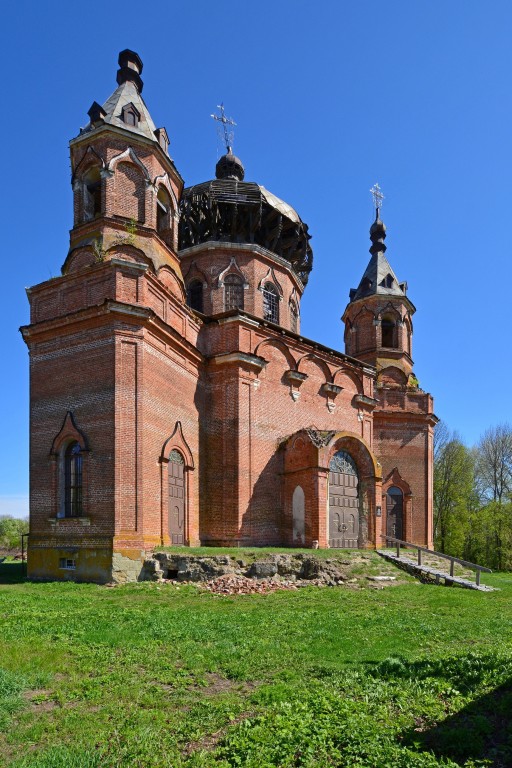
(343,501)
(394,512)
(176,498)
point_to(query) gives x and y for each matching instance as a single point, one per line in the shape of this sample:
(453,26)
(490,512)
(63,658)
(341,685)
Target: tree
(11,529)
(494,463)
(494,482)
(453,492)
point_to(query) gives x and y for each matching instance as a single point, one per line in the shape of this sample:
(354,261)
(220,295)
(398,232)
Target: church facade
(173,396)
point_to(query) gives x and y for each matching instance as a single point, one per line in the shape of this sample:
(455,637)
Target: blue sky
(330,97)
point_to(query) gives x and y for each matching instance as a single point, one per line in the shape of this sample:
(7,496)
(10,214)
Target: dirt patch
(41,700)
(210,741)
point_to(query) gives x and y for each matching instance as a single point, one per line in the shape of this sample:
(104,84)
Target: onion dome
(229,209)
(230,167)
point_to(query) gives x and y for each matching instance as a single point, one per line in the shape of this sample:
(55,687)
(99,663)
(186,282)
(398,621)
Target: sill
(83,520)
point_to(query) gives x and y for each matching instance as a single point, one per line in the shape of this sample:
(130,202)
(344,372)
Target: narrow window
(270,303)
(195,295)
(294,317)
(73,481)
(233,292)
(388,328)
(92,194)
(163,210)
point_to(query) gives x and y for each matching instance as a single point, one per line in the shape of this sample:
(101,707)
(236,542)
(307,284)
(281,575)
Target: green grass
(146,674)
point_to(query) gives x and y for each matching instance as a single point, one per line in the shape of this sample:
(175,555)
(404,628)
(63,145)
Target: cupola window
(270,303)
(73,480)
(195,295)
(233,292)
(92,194)
(388,281)
(388,327)
(130,115)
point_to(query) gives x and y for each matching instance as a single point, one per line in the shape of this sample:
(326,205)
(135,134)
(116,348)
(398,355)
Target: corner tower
(126,188)
(108,340)
(378,318)
(378,331)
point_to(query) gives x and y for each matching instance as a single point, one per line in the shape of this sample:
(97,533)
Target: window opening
(130,115)
(195,295)
(69,564)
(92,194)
(388,333)
(73,463)
(343,462)
(270,303)
(233,292)
(163,210)
(176,457)
(294,317)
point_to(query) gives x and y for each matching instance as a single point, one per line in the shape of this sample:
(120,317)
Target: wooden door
(395,512)
(176,498)
(343,502)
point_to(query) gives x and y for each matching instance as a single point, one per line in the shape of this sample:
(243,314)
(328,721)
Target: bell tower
(126,188)
(378,317)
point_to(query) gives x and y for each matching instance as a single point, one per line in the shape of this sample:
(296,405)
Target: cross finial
(224,122)
(378,197)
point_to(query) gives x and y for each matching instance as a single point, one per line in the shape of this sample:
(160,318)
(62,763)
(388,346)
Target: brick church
(174,398)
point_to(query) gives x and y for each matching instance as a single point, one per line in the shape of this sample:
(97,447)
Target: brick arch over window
(69,455)
(173,448)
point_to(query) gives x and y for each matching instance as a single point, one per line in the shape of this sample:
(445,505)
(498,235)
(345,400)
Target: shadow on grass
(480,731)
(12,572)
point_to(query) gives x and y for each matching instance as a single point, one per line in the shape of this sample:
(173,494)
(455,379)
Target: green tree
(11,529)
(453,492)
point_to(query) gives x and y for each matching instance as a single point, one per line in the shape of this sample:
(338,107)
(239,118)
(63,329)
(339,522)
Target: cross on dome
(378,197)
(225,121)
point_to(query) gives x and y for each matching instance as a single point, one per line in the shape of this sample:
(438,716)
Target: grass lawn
(169,676)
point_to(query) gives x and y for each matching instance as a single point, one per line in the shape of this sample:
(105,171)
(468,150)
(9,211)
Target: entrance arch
(343,501)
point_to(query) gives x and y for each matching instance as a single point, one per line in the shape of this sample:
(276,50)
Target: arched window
(91,193)
(73,463)
(294,317)
(233,292)
(195,295)
(388,328)
(163,210)
(270,303)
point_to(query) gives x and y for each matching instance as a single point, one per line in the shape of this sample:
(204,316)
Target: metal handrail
(474,566)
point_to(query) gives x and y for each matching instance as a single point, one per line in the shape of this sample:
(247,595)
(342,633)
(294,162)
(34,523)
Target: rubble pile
(225,574)
(231,584)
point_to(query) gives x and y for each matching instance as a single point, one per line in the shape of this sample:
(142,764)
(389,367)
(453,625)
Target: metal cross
(225,121)
(378,197)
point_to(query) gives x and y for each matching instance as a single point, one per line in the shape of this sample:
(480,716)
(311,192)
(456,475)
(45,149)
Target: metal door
(394,512)
(176,498)
(343,502)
